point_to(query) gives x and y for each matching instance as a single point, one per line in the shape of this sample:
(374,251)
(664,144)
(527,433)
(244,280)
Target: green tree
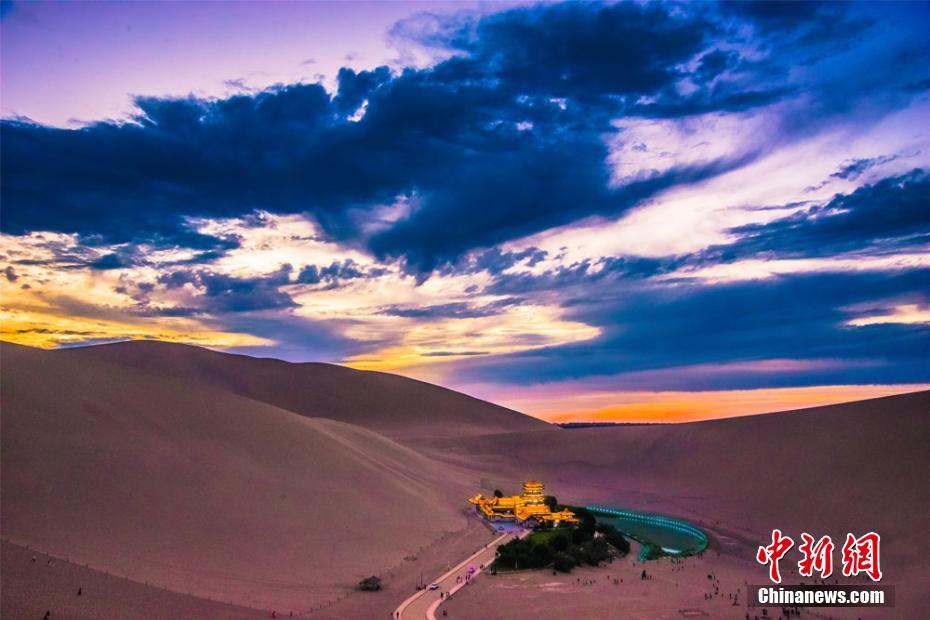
(563,562)
(559,542)
(542,555)
(580,535)
(588,523)
(576,553)
(596,551)
(619,541)
(614,537)
(605,528)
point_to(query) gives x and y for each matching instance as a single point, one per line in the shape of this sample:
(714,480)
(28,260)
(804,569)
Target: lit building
(527,509)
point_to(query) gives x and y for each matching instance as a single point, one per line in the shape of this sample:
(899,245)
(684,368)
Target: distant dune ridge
(390,404)
(278,486)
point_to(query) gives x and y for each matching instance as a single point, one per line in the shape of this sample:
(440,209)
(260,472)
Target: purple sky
(82,61)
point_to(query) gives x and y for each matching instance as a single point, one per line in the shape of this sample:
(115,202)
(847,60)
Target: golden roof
(530,505)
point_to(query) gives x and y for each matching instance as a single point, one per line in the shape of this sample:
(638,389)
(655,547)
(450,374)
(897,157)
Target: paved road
(423,604)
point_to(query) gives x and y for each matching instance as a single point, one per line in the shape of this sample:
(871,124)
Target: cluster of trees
(370,584)
(566,548)
(523,553)
(614,538)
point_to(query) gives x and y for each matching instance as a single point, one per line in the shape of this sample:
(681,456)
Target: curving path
(424,603)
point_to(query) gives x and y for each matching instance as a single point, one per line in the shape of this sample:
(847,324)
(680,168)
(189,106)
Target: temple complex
(527,509)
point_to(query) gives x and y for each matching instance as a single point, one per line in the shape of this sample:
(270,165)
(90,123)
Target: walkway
(424,603)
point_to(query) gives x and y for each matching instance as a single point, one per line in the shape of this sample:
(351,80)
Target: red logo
(817,557)
(860,555)
(773,553)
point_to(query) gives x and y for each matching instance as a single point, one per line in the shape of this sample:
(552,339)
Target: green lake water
(659,535)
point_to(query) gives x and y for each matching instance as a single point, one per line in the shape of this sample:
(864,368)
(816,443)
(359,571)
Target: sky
(611,212)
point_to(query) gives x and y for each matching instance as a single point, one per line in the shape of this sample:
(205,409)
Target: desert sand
(270,485)
(673,590)
(205,491)
(34,583)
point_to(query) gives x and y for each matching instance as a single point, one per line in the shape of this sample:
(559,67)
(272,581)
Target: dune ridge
(389,404)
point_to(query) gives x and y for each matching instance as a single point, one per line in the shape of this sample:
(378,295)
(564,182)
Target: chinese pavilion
(526,509)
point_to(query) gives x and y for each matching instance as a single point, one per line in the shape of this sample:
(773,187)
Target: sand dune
(205,491)
(390,404)
(278,485)
(30,588)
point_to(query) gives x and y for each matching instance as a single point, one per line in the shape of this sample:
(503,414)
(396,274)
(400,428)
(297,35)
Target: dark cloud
(716,62)
(807,26)
(581,51)
(650,327)
(455,310)
(221,293)
(774,15)
(892,213)
(117,260)
(503,139)
(455,353)
(721,97)
(854,168)
(584,273)
(354,87)
(496,260)
(493,260)
(336,272)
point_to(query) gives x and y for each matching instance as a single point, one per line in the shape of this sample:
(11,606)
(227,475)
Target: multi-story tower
(533,493)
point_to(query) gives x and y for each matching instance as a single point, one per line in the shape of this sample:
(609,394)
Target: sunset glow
(670,407)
